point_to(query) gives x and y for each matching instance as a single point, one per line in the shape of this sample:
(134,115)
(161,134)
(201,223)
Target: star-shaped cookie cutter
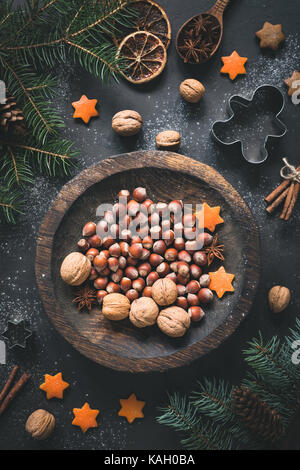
(240,108)
(16,334)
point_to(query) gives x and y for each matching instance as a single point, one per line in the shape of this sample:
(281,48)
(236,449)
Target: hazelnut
(126,284)
(89,229)
(168,237)
(164,292)
(40,424)
(144,269)
(95,241)
(155,259)
(196,272)
(163,269)
(115,306)
(127,122)
(136,250)
(132,295)
(184,256)
(147,205)
(145,254)
(138,284)
(100,283)
(174,321)
(171,254)
(193,299)
(205,296)
(91,253)
(159,247)
(124,193)
(100,295)
(83,245)
(147,292)
(205,238)
(113,264)
(192,90)
(181,290)
(204,280)
(148,242)
(124,248)
(131,272)
(175,207)
(100,262)
(144,312)
(139,194)
(182,302)
(183,269)
(179,244)
(196,313)
(200,258)
(279,298)
(112,288)
(75,269)
(172,276)
(168,140)
(193,287)
(151,278)
(117,276)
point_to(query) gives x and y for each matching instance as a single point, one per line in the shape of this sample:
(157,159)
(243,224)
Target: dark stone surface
(162,108)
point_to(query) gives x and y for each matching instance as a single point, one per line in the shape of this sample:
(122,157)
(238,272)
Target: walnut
(174,321)
(164,292)
(279,298)
(40,424)
(192,90)
(127,122)
(116,306)
(168,140)
(144,312)
(75,269)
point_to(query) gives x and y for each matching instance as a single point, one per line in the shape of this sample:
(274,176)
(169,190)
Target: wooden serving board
(166,176)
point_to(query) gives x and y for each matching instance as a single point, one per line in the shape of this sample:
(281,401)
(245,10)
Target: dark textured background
(162,108)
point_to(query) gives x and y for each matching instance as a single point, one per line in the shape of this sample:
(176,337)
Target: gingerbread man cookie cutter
(252,123)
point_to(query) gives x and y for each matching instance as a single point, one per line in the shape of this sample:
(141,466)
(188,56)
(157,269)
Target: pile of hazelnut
(148,260)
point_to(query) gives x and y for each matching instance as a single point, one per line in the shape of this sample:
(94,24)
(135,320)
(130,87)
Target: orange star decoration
(234,65)
(221,282)
(85,417)
(131,408)
(54,386)
(85,109)
(209,217)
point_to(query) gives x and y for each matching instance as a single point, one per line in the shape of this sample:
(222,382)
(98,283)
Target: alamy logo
(296,353)
(2,352)
(2,92)
(296,94)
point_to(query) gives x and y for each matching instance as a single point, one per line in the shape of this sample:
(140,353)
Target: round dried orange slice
(150,17)
(144,57)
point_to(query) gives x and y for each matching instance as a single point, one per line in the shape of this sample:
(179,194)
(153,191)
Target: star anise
(214,251)
(85,297)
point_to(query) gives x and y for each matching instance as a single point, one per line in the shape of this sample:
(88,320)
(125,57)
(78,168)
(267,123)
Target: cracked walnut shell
(174,321)
(75,269)
(116,307)
(164,292)
(144,312)
(40,424)
(127,123)
(192,90)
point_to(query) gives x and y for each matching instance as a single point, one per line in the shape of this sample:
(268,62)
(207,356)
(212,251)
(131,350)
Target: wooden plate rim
(95,174)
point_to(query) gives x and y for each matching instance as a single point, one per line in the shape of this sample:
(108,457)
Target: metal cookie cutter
(252,122)
(17,334)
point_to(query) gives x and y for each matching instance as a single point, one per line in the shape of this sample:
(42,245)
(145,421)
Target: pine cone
(11,118)
(257,415)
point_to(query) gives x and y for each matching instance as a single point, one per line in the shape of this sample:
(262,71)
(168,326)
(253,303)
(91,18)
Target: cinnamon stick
(288,200)
(277,202)
(13,392)
(273,195)
(8,382)
(293,201)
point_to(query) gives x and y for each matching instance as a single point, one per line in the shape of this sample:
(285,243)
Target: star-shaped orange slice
(85,417)
(270,36)
(131,408)
(293,83)
(221,282)
(85,109)
(209,217)
(234,65)
(54,386)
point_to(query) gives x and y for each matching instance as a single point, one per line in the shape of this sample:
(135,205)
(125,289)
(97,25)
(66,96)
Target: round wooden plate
(166,176)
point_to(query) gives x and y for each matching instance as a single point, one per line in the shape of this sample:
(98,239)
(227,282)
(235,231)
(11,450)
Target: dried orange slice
(144,55)
(151,17)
